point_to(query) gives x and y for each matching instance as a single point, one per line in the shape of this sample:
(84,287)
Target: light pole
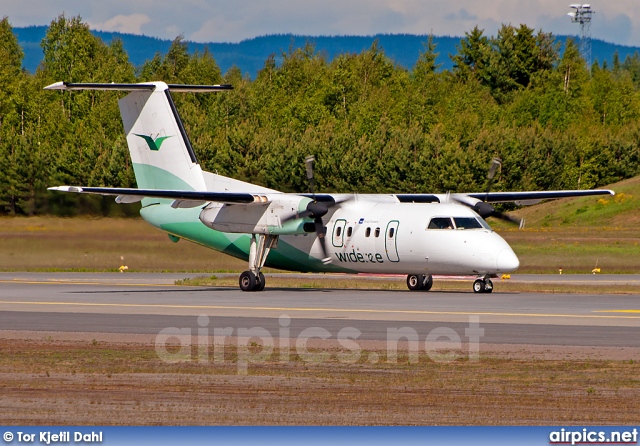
(582,15)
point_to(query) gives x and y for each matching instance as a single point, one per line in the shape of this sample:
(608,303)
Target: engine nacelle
(264,216)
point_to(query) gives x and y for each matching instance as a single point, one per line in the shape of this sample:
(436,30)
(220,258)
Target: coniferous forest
(373,126)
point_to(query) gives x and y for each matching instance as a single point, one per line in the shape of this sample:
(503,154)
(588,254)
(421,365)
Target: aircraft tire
(260,282)
(415,282)
(247,281)
(478,286)
(488,286)
(427,283)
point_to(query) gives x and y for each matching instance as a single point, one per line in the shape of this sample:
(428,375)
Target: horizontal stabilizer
(68,86)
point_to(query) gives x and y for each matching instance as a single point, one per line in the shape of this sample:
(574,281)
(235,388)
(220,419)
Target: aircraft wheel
(478,286)
(260,282)
(247,281)
(415,282)
(488,286)
(427,283)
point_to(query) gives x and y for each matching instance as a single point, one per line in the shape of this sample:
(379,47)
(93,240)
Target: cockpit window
(440,223)
(467,223)
(460,223)
(484,223)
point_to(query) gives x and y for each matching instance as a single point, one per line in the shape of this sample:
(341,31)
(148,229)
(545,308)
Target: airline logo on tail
(154,144)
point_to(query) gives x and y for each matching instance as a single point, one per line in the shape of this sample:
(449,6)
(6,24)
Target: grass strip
(102,383)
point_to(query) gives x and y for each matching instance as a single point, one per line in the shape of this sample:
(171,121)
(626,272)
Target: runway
(149,303)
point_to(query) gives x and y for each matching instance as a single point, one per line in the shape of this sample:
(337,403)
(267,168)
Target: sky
(236,20)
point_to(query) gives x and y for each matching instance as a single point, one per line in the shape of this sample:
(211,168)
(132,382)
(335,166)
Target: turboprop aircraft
(419,235)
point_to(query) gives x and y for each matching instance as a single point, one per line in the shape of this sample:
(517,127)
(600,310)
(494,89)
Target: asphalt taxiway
(149,303)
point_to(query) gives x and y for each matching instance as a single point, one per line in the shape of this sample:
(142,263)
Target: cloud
(463,14)
(224,21)
(247,19)
(131,24)
(618,29)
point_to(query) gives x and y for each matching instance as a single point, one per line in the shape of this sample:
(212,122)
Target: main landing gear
(419,282)
(483,285)
(261,244)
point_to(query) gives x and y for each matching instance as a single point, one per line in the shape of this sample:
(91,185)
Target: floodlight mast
(582,15)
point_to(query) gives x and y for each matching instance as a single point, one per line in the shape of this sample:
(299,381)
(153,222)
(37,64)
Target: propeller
(496,163)
(484,209)
(315,210)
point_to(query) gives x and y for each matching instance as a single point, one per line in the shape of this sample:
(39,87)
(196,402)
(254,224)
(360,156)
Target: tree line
(373,126)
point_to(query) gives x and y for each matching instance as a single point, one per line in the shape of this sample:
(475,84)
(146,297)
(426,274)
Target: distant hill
(250,55)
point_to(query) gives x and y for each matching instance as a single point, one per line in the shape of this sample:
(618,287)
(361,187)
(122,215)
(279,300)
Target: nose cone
(507,261)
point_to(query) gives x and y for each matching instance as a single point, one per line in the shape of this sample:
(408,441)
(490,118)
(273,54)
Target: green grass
(579,234)
(100,244)
(615,213)
(576,250)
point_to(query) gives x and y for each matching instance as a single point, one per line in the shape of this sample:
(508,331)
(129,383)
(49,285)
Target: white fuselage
(375,237)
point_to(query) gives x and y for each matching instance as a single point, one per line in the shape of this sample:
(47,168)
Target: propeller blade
(314,210)
(321,231)
(496,163)
(486,210)
(308,163)
(509,218)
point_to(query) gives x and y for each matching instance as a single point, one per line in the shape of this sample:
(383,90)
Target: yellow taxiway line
(327,310)
(69,282)
(617,311)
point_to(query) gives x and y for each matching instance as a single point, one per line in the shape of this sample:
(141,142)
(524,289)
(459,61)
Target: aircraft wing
(128,195)
(530,197)
(194,198)
(533,197)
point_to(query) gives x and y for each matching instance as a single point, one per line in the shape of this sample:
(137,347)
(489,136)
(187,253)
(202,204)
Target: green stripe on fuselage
(185,223)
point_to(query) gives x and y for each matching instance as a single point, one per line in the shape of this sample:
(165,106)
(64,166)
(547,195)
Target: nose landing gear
(483,285)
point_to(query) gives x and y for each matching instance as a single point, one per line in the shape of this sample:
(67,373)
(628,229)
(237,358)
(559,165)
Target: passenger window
(367,233)
(339,231)
(377,232)
(391,232)
(349,231)
(467,223)
(440,223)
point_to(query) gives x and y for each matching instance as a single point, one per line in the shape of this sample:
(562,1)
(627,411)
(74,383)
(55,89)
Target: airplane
(417,235)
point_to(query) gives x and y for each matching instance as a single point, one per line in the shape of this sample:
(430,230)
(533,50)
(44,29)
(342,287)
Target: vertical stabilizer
(160,150)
